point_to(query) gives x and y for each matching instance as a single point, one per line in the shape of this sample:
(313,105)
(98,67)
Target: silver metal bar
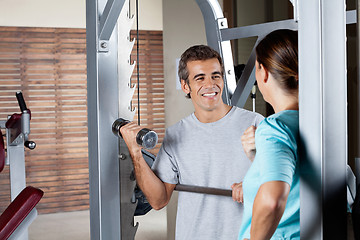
(357,158)
(2,124)
(25,124)
(109,18)
(247,79)
(296,9)
(127,186)
(15,155)
(103,108)
(227,56)
(125,70)
(211,11)
(21,232)
(203,190)
(256,30)
(323,119)
(351,17)
(214,21)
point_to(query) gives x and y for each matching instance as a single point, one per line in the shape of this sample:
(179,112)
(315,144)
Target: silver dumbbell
(145,137)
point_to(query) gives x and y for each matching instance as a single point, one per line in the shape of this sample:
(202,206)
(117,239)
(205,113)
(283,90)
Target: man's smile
(209,94)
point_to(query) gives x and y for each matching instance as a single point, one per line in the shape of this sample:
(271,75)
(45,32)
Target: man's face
(206,84)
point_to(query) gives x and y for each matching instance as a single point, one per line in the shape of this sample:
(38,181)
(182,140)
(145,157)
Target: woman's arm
(269,206)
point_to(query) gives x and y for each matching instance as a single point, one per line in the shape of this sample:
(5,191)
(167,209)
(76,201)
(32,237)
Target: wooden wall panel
(151,82)
(49,66)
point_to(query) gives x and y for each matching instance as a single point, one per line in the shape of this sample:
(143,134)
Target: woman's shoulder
(284,122)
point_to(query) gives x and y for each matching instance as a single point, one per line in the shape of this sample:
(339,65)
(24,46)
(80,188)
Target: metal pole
(103,108)
(323,119)
(214,21)
(357,159)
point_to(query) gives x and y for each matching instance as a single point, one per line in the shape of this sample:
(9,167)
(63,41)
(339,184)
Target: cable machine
(323,113)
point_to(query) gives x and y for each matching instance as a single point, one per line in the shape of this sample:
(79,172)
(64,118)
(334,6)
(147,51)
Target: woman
(271,186)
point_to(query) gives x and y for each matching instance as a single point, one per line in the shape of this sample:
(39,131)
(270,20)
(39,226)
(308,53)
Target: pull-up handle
(21,101)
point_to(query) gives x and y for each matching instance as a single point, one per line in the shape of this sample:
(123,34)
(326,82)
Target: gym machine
(322,69)
(21,212)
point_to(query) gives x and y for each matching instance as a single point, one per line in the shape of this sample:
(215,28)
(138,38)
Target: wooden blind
(151,83)
(49,66)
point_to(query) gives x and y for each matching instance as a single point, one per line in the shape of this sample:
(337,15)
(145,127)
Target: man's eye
(199,79)
(216,77)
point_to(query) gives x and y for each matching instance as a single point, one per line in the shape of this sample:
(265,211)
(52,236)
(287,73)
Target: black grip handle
(30,144)
(117,125)
(204,190)
(21,101)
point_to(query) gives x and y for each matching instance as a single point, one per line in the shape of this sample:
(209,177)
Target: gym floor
(76,226)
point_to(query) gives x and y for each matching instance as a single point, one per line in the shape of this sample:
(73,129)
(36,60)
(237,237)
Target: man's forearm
(156,191)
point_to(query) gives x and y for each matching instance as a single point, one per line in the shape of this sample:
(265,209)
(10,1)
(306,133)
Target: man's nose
(209,82)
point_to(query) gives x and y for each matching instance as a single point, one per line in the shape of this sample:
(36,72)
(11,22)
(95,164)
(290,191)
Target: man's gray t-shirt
(211,155)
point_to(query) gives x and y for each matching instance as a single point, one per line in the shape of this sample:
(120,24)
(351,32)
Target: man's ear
(185,87)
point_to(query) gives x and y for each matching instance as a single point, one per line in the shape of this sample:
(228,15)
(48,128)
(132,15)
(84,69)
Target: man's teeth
(209,94)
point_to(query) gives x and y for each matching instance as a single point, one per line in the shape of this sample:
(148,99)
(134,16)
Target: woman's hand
(237,192)
(248,142)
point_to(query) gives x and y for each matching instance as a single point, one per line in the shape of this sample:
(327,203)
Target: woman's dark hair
(278,53)
(196,53)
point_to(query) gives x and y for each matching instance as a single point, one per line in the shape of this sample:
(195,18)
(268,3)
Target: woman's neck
(285,102)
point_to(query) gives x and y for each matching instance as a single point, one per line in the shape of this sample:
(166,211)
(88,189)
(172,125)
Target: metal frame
(321,26)
(15,159)
(247,79)
(15,151)
(218,37)
(109,97)
(21,232)
(323,118)
(102,110)
(17,134)
(214,22)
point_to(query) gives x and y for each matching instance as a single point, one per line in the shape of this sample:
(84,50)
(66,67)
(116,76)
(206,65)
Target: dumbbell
(145,137)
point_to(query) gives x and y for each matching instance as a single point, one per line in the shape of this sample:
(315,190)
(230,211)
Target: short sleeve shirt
(209,155)
(276,159)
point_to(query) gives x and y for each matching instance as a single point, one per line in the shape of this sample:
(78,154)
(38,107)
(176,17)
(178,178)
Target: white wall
(183,27)
(150,14)
(43,13)
(67,13)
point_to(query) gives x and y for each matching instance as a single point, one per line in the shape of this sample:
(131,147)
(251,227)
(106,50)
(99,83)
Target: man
(203,149)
